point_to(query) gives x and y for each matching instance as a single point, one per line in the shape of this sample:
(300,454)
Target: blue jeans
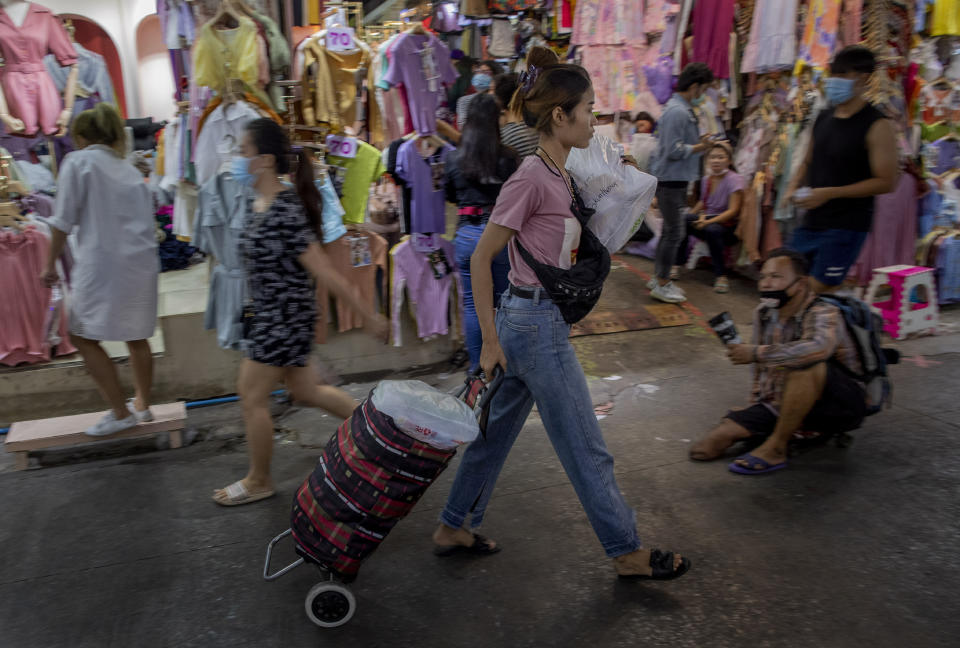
(465,242)
(542,368)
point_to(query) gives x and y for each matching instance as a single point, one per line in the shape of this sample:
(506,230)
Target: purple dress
(425,177)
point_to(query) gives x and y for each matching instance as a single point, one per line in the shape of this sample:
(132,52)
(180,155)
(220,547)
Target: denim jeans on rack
(542,368)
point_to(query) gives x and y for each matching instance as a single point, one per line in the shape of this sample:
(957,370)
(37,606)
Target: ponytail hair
(269,138)
(560,85)
(101,124)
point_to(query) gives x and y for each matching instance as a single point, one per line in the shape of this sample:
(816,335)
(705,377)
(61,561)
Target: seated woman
(714,218)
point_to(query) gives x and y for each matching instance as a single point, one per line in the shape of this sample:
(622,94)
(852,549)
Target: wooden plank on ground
(65,431)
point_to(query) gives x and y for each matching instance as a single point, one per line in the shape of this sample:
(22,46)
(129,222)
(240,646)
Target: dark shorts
(841,409)
(831,252)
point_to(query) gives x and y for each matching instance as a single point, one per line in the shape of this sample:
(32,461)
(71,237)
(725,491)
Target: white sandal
(237,494)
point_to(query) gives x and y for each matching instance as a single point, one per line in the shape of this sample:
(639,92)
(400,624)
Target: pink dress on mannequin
(30,93)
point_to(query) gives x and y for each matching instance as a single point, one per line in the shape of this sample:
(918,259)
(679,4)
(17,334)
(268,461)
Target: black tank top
(840,158)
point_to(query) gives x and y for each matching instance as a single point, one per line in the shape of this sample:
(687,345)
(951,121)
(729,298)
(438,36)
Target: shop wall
(153,62)
(119,19)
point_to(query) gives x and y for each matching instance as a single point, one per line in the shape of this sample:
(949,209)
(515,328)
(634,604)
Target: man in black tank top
(852,158)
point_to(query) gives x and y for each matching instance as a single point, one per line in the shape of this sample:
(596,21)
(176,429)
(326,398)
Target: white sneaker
(110,425)
(653,283)
(143,416)
(668,293)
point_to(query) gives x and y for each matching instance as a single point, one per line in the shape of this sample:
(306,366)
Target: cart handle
(266,566)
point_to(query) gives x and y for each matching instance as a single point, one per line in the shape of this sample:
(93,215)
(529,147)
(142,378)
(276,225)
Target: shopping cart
(369,477)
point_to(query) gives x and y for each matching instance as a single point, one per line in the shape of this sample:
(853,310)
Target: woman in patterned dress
(282,258)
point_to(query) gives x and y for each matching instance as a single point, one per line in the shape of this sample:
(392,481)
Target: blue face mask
(240,170)
(838,90)
(698,101)
(481,81)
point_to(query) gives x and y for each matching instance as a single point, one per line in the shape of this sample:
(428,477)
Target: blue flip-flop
(755,465)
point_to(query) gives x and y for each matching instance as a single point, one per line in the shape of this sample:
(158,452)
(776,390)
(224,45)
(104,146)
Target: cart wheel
(330,604)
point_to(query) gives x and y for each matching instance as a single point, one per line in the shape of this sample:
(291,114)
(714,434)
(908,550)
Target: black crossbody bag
(577,290)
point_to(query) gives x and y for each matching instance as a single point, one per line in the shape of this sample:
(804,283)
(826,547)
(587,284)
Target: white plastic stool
(699,251)
(900,315)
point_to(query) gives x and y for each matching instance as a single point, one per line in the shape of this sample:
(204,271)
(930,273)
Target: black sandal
(481,547)
(662,564)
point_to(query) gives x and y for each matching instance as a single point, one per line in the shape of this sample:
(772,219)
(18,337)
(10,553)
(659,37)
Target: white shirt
(220,138)
(113,289)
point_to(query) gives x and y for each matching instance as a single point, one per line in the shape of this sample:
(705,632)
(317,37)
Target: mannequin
(17,15)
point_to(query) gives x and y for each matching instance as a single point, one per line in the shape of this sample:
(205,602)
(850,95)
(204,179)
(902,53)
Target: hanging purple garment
(712,24)
(660,78)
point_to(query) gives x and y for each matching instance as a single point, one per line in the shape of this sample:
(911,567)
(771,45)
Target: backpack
(864,327)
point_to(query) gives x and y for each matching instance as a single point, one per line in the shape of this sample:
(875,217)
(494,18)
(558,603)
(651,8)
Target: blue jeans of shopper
(465,242)
(542,368)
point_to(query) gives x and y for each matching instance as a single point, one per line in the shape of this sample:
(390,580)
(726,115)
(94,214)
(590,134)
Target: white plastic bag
(620,194)
(426,414)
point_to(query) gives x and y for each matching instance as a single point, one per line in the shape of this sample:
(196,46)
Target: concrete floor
(853,547)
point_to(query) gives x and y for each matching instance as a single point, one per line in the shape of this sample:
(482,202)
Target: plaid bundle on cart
(368,478)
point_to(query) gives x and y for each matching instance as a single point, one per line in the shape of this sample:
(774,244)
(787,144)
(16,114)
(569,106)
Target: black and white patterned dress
(281,291)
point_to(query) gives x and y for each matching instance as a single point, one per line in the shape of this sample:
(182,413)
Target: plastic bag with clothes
(427,414)
(619,193)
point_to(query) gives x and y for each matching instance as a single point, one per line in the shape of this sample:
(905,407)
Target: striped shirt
(520,137)
(815,334)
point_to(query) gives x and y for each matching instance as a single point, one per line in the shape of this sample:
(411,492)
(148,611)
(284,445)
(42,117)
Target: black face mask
(779,296)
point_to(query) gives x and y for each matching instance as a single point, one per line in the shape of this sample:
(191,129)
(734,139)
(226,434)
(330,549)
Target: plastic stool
(901,315)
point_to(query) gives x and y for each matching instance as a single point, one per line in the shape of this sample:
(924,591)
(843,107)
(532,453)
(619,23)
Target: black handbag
(575,291)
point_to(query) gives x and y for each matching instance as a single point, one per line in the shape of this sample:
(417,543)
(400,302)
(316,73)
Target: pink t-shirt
(535,202)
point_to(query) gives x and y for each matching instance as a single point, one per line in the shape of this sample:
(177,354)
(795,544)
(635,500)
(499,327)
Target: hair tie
(528,78)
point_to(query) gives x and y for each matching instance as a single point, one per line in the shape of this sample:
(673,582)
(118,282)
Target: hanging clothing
(223,54)
(330,85)
(893,236)
(425,176)
(503,40)
(851,21)
(220,137)
(819,41)
(221,218)
(608,22)
(712,24)
(25,301)
(359,258)
(427,278)
(114,280)
(31,94)
(176,23)
(422,64)
(773,37)
(618,77)
(352,178)
(945,20)
(93,77)
(331,215)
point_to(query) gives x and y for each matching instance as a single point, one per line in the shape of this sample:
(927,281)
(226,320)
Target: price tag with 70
(340,39)
(342,146)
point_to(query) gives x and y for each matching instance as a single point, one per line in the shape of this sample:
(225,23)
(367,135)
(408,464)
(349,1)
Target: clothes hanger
(226,17)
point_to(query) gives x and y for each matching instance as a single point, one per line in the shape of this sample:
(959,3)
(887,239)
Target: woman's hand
(701,222)
(49,277)
(491,355)
(13,124)
(377,326)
